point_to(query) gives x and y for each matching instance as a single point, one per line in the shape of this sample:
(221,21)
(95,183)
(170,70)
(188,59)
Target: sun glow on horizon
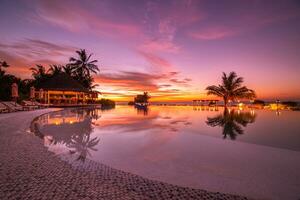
(171,49)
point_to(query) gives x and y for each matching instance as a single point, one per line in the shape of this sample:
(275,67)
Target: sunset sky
(173,49)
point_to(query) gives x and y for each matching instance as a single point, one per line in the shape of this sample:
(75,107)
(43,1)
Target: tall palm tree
(83,65)
(231,89)
(55,69)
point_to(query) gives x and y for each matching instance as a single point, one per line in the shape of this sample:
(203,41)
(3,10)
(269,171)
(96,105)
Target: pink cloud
(253,17)
(213,33)
(159,46)
(73,17)
(156,61)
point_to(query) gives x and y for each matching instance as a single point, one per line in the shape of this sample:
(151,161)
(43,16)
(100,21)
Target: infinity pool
(255,153)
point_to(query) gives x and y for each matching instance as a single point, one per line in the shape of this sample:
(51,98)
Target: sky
(173,49)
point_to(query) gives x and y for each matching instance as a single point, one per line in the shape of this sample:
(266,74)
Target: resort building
(62,89)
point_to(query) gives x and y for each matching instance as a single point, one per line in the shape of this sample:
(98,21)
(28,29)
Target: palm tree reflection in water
(232,122)
(82,143)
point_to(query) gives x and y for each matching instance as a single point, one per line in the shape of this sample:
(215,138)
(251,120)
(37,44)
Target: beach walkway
(29,171)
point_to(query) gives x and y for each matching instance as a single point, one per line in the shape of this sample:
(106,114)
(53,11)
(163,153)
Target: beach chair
(30,104)
(3,108)
(12,106)
(41,105)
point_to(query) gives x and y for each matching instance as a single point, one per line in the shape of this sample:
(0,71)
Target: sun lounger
(30,104)
(3,108)
(41,105)
(12,106)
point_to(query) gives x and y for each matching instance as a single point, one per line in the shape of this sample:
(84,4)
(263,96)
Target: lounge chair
(3,108)
(41,105)
(12,106)
(30,104)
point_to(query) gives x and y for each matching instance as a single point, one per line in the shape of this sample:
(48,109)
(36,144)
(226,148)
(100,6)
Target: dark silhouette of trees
(83,67)
(55,69)
(142,98)
(3,64)
(231,89)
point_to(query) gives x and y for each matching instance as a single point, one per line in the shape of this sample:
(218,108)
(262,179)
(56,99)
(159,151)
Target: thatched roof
(62,82)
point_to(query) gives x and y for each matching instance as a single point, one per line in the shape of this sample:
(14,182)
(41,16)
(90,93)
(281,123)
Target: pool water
(248,152)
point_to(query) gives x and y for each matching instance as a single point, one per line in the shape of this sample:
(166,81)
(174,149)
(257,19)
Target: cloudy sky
(173,49)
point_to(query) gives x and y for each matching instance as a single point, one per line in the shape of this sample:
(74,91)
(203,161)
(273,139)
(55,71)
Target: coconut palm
(231,89)
(39,74)
(83,65)
(55,69)
(68,70)
(3,64)
(38,71)
(231,122)
(142,98)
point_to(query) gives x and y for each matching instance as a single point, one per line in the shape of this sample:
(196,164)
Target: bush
(259,102)
(290,103)
(130,103)
(107,103)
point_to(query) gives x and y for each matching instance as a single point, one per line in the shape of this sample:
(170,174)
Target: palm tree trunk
(225,102)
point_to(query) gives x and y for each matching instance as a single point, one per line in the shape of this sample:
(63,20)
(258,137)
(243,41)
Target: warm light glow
(173,50)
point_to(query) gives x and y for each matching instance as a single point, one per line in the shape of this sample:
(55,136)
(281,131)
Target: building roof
(62,82)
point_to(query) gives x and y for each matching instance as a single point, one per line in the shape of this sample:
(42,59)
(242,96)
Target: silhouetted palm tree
(231,122)
(3,64)
(82,65)
(142,98)
(39,74)
(68,70)
(231,89)
(55,69)
(39,71)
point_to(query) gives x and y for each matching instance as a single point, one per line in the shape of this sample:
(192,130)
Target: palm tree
(142,98)
(231,89)
(39,74)
(55,69)
(3,64)
(83,65)
(231,122)
(68,70)
(38,71)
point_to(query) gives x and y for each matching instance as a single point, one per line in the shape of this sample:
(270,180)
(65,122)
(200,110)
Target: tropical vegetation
(6,80)
(142,98)
(231,89)
(80,68)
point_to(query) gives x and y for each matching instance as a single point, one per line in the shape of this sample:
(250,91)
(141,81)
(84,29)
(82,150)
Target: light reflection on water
(80,130)
(201,147)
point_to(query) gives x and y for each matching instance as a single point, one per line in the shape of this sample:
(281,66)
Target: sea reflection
(142,110)
(232,122)
(84,133)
